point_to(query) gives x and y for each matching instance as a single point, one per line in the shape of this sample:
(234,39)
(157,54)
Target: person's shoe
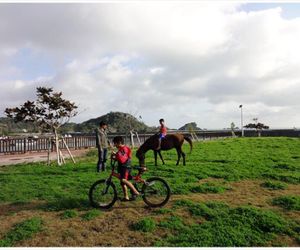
(134,196)
(125,199)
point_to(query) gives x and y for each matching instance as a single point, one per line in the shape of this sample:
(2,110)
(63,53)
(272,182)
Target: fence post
(24,141)
(75,138)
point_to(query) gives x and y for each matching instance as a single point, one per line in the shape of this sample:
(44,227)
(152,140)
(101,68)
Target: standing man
(102,145)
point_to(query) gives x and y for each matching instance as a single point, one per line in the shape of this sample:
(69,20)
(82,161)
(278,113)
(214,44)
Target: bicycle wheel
(156,192)
(103,195)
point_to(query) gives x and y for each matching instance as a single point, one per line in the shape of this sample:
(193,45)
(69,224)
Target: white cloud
(157,70)
(194,60)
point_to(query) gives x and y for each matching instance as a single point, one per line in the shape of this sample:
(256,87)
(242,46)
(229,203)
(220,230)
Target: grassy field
(232,192)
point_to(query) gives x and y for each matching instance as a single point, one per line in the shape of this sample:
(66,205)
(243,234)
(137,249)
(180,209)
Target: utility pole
(242,127)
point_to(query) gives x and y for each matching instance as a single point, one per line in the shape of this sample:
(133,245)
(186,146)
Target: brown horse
(167,143)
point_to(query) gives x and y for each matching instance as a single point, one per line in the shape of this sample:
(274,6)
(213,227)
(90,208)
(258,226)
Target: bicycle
(154,191)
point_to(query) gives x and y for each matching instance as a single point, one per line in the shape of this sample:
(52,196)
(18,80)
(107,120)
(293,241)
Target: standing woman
(102,145)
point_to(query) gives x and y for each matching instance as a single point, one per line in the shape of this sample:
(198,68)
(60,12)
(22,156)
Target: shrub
(145,225)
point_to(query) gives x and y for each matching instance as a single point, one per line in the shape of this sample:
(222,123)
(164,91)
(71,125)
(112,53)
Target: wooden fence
(23,145)
(79,141)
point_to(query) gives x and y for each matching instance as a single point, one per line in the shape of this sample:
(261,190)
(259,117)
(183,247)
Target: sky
(181,61)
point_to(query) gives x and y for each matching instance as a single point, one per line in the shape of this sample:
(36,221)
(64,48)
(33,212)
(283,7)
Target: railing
(79,141)
(23,145)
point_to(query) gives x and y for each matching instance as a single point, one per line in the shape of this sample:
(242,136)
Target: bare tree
(49,111)
(232,127)
(257,125)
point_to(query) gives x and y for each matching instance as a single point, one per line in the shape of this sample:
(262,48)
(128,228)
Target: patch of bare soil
(113,228)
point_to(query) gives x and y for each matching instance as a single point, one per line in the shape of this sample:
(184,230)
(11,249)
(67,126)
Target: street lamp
(242,127)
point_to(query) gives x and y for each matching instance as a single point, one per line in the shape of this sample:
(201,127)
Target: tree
(50,111)
(258,126)
(232,127)
(3,129)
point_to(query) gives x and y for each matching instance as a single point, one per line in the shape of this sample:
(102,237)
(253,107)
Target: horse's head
(149,144)
(141,156)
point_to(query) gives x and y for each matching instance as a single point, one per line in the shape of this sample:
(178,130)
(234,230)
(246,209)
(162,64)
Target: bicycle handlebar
(139,168)
(113,164)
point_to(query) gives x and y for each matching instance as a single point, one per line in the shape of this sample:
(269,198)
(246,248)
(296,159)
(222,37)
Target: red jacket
(123,154)
(163,130)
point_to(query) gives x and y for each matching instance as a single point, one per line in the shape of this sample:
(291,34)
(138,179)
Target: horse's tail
(189,140)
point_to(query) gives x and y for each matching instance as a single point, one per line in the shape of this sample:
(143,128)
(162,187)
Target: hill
(8,126)
(190,126)
(117,121)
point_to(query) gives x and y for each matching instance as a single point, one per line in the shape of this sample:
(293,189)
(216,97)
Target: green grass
(66,187)
(146,224)
(62,188)
(224,226)
(182,203)
(274,161)
(274,185)
(90,215)
(162,211)
(288,202)
(68,214)
(22,231)
(233,160)
(173,222)
(67,203)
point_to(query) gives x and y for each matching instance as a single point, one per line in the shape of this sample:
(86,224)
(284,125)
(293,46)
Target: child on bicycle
(123,157)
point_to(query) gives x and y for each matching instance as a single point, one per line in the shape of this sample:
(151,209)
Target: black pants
(102,157)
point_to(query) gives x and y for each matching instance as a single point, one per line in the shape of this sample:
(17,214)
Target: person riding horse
(162,133)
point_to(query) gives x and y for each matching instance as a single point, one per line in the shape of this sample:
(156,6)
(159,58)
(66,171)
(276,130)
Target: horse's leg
(183,157)
(178,155)
(160,156)
(155,157)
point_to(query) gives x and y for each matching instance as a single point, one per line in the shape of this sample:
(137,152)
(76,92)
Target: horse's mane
(143,148)
(152,137)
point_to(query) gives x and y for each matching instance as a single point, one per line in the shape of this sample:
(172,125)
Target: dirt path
(36,157)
